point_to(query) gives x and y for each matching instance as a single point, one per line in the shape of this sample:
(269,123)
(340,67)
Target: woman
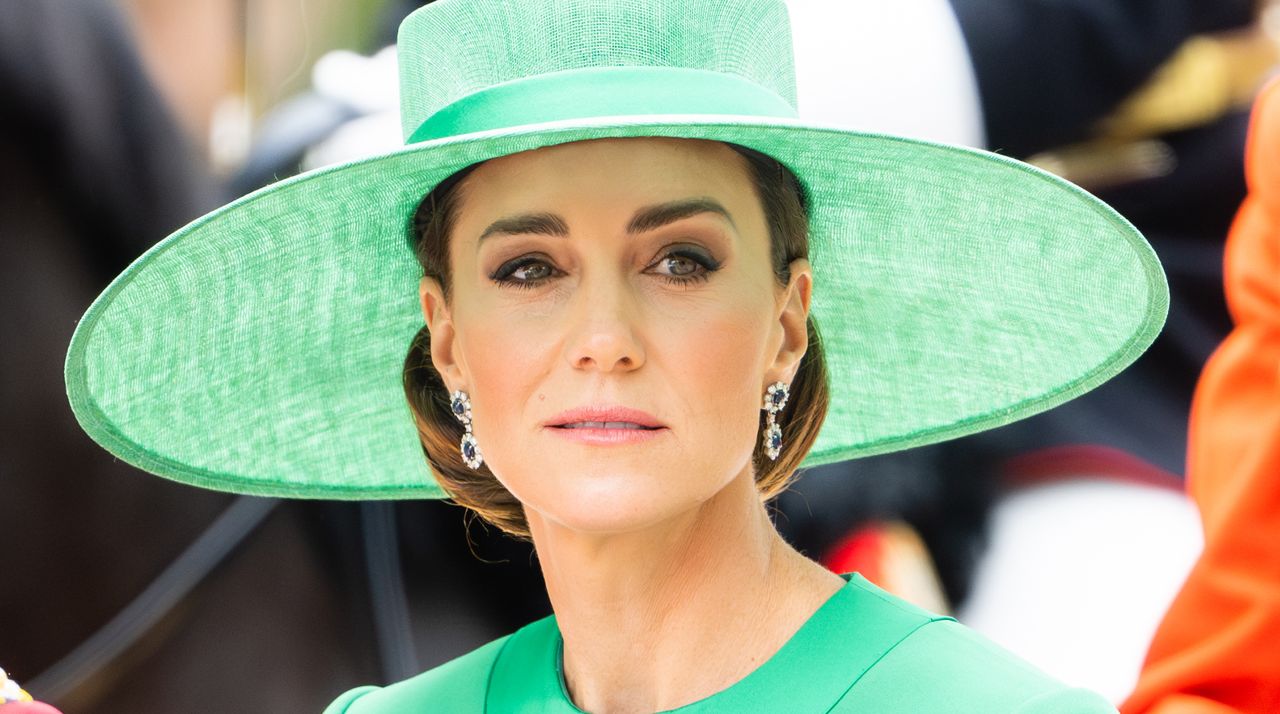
(624,245)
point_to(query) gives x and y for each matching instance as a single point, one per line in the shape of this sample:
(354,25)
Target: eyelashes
(680,266)
(525,271)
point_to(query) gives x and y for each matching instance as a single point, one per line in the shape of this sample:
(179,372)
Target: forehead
(611,173)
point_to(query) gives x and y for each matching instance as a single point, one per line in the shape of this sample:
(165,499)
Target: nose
(603,335)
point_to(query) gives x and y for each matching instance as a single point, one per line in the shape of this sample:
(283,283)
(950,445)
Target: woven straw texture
(258,350)
(459,46)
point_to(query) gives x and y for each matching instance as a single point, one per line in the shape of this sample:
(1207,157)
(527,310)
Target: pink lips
(605,425)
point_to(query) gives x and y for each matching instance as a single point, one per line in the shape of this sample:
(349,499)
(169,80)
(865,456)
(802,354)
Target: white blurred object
(1079,574)
(372,86)
(893,67)
(364,136)
(230,132)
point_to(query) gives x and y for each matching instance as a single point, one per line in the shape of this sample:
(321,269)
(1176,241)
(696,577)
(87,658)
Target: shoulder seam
(493,666)
(905,607)
(904,638)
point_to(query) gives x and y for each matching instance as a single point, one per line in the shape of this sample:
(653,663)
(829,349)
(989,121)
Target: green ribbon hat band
(602,92)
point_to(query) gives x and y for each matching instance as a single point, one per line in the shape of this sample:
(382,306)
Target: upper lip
(605,414)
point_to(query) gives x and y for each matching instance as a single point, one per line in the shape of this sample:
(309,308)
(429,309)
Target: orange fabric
(1218,648)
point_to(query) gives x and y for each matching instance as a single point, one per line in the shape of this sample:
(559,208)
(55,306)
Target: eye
(679,265)
(684,265)
(531,272)
(524,272)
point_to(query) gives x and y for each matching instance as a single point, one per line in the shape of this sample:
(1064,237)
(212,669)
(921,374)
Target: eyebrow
(645,219)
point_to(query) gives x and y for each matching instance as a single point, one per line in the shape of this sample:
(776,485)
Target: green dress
(863,650)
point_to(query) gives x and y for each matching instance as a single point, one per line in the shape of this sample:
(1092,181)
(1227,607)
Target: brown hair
(783,199)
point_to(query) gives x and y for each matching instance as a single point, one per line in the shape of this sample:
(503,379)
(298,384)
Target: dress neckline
(839,642)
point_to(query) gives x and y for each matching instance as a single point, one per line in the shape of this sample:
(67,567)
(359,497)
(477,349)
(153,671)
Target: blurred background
(1064,537)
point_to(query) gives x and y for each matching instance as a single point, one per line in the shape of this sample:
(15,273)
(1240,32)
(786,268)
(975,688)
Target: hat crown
(454,48)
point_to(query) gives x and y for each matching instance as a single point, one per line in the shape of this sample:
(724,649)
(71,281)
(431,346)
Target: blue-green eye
(679,265)
(684,265)
(524,272)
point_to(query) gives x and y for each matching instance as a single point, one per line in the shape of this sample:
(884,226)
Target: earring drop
(774,400)
(460,405)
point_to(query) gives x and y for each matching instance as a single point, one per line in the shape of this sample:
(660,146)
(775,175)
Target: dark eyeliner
(697,256)
(502,276)
(709,265)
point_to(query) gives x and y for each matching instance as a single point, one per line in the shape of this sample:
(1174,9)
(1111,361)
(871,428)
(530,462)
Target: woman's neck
(657,619)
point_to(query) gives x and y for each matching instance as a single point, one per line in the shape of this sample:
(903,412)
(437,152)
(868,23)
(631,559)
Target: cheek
(507,362)
(716,362)
(510,357)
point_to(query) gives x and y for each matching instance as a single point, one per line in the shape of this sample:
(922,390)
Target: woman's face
(615,319)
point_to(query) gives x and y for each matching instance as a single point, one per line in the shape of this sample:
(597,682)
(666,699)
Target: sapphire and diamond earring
(774,400)
(460,405)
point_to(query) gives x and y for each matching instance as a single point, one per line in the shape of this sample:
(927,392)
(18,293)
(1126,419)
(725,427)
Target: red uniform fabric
(1218,647)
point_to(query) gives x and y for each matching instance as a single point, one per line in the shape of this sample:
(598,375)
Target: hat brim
(259,349)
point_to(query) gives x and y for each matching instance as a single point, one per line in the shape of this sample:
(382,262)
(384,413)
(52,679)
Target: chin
(604,505)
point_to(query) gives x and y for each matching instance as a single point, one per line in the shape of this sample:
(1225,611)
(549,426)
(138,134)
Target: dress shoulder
(458,685)
(945,666)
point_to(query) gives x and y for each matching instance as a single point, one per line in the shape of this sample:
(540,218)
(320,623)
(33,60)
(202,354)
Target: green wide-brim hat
(260,349)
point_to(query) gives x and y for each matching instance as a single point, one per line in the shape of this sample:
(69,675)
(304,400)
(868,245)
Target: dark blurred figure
(1049,74)
(93,171)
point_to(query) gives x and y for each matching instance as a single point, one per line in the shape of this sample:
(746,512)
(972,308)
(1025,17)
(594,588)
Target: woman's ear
(435,310)
(794,320)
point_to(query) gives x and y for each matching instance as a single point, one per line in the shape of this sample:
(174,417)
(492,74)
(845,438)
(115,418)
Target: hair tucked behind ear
(440,434)
(438,430)
(786,213)
(782,197)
